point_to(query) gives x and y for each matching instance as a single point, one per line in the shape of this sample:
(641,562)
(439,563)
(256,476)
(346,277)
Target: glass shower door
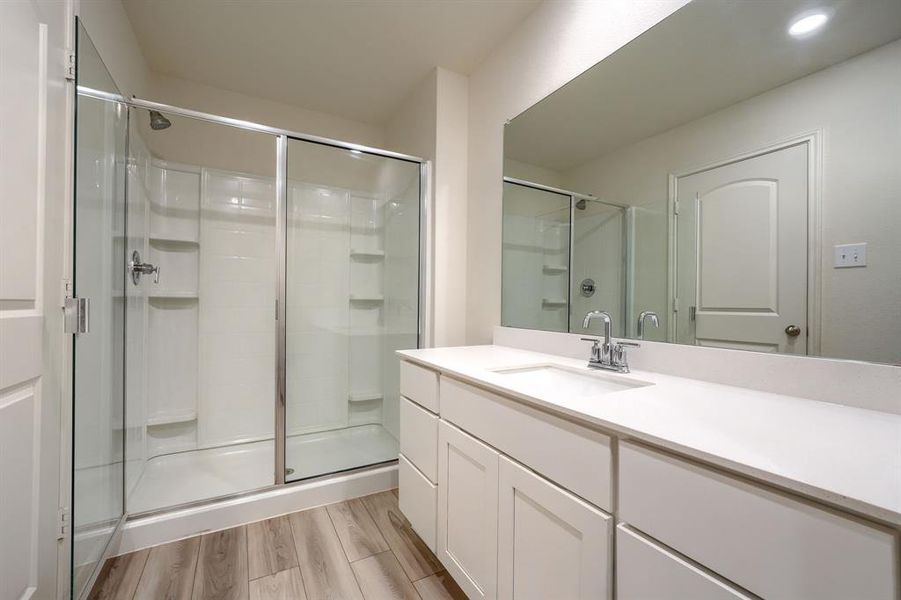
(352,299)
(99,276)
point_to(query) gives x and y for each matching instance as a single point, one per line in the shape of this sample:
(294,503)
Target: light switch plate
(850,255)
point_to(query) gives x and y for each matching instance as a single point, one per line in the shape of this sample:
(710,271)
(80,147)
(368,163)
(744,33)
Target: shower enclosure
(248,287)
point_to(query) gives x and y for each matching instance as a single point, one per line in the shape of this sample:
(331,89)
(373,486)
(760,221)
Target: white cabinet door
(467,511)
(551,544)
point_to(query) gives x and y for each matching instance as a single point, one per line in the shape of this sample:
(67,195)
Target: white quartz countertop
(844,456)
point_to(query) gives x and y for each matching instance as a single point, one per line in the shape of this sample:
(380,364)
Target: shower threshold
(184,477)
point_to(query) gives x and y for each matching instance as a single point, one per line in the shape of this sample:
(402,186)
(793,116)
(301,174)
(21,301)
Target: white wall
(107,23)
(558,41)
(449,180)
(855,107)
(432,123)
(189,94)
(520,170)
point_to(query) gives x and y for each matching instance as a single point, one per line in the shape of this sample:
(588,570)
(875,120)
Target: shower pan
(248,287)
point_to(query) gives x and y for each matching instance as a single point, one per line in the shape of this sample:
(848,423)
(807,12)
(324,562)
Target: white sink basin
(544,380)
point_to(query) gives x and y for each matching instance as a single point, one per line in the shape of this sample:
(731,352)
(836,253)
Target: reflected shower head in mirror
(581,204)
(158,121)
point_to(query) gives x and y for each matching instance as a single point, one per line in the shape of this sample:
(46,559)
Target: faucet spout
(646,315)
(603,315)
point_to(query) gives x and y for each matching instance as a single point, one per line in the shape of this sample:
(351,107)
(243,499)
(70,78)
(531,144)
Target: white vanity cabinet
(518,503)
(551,544)
(517,492)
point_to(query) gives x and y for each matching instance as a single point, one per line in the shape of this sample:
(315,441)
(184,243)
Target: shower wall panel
(172,312)
(318,288)
(237,307)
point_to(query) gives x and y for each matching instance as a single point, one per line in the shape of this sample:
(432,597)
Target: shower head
(158,121)
(581,204)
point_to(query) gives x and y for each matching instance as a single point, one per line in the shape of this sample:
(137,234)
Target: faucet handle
(595,349)
(629,344)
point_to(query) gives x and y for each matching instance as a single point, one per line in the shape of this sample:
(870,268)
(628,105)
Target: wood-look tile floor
(361,549)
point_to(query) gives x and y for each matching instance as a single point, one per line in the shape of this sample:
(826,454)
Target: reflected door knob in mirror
(793,331)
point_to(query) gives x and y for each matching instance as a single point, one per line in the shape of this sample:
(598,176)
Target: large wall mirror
(731,178)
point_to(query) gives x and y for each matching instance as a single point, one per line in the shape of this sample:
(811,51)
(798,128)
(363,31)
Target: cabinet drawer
(419,438)
(575,457)
(645,570)
(418,500)
(419,385)
(768,543)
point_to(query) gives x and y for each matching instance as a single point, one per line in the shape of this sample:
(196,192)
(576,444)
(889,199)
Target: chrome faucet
(611,356)
(646,314)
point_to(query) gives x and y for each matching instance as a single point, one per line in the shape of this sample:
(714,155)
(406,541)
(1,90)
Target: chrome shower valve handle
(138,268)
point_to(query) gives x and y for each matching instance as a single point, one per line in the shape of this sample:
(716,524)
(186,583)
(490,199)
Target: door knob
(793,330)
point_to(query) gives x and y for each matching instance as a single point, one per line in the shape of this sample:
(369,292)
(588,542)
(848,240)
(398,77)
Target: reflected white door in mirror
(740,254)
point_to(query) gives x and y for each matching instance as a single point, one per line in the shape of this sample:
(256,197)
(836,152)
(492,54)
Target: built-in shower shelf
(172,295)
(553,302)
(367,298)
(555,268)
(163,239)
(184,416)
(364,396)
(366,254)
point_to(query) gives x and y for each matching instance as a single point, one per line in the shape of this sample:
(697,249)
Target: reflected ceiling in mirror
(724,178)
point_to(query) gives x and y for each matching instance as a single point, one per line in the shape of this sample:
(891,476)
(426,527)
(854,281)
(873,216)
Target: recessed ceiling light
(808,23)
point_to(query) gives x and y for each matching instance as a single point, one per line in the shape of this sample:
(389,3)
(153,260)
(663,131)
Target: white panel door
(23,118)
(551,544)
(467,511)
(741,266)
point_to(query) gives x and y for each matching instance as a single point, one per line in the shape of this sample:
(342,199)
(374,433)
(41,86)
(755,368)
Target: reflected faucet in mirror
(646,315)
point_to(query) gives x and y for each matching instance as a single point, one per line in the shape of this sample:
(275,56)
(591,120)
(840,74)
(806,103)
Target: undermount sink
(542,380)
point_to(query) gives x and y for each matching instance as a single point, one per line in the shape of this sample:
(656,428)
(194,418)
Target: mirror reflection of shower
(564,253)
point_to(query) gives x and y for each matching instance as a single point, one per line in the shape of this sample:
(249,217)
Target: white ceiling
(353,58)
(705,57)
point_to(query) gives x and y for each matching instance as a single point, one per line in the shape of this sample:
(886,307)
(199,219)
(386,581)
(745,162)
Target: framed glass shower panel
(351,300)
